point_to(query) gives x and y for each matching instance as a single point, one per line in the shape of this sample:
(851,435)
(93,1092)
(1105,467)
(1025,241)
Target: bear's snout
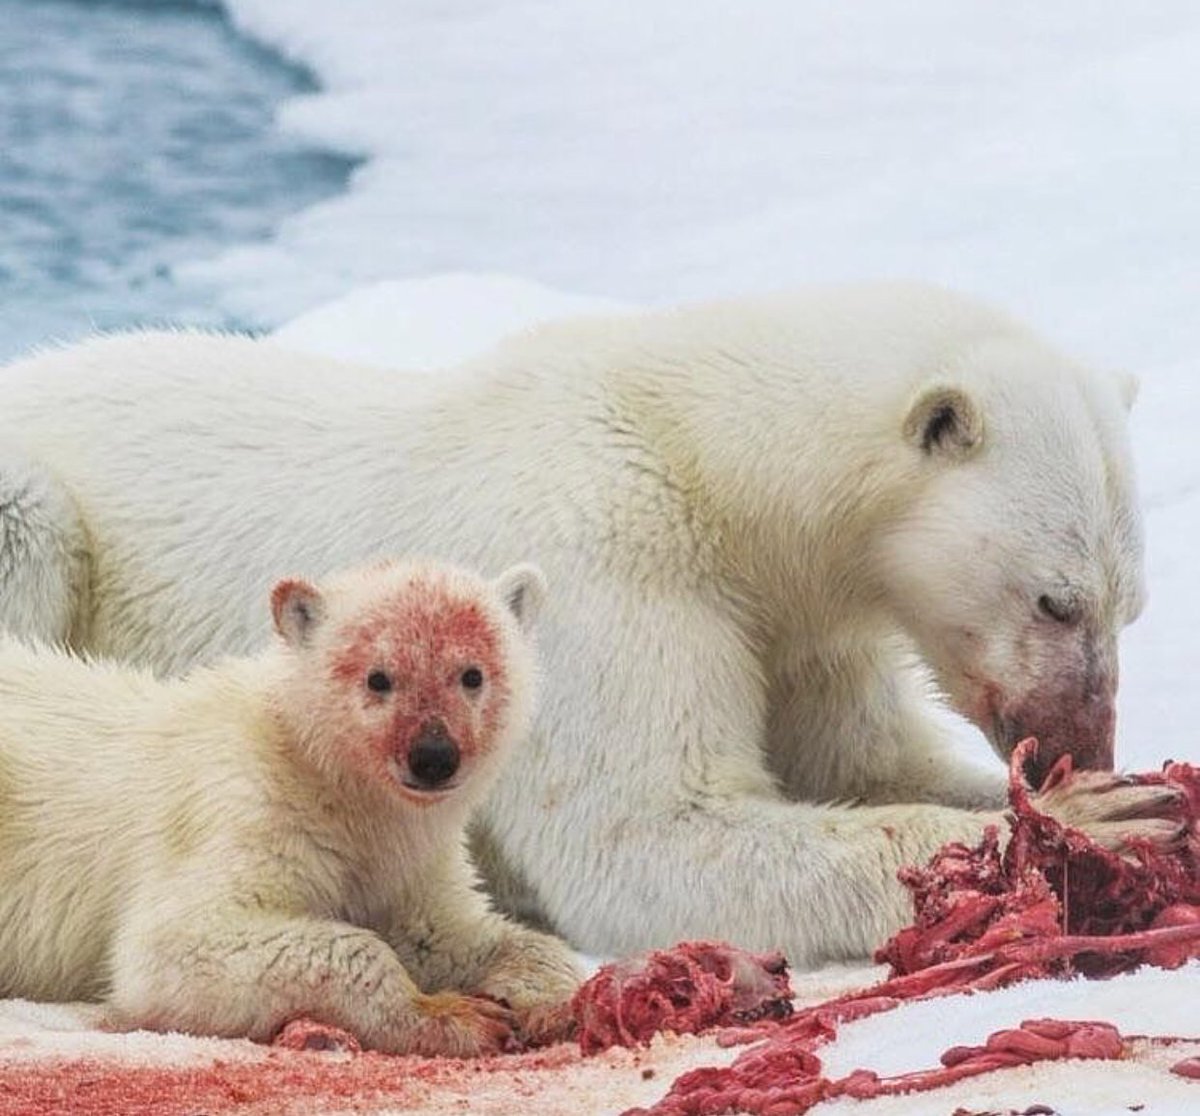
(433,757)
(1086,729)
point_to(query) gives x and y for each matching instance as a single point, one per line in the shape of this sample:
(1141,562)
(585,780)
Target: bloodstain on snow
(687,989)
(281,1083)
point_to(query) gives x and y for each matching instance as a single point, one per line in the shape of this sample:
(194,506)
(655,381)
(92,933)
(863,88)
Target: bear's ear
(298,608)
(944,420)
(522,589)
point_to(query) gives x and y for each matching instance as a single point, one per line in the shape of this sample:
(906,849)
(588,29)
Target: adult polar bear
(746,512)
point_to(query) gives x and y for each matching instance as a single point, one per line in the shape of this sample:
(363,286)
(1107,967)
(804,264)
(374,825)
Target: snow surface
(1043,154)
(911,1037)
(1149,1002)
(422,324)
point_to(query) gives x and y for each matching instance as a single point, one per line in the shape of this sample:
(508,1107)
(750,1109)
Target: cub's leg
(236,972)
(451,938)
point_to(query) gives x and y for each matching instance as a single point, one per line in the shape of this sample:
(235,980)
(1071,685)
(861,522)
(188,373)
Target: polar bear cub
(281,835)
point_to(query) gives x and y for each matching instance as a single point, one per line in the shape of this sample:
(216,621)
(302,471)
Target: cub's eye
(378,682)
(472,678)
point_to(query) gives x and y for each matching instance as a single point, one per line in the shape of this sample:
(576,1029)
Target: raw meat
(1052,903)
(687,989)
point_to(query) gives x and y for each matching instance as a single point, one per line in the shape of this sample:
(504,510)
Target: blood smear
(280,1083)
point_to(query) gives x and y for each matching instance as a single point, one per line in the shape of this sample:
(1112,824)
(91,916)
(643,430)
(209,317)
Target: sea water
(135,137)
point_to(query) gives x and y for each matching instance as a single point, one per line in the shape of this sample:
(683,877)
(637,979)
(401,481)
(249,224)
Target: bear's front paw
(1117,812)
(458,1026)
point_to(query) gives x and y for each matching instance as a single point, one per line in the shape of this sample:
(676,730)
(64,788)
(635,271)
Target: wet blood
(424,636)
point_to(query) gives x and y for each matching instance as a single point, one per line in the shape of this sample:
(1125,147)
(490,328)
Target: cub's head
(1019,559)
(414,676)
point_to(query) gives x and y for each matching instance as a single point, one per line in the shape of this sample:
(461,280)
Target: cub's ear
(298,608)
(522,588)
(944,421)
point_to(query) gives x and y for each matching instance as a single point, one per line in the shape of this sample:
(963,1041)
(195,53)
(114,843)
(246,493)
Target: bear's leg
(242,973)
(642,810)
(865,726)
(818,882)
(449,937)
(815,881)
(44,560)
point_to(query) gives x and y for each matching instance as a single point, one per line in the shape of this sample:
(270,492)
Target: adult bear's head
(1019,557)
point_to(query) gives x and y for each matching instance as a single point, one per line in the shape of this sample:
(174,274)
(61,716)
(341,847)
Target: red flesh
(782,1076)
(687,989)
(308,1034)
(1053,903)
(1053,882)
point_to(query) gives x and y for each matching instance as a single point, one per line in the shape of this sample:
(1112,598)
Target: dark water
(134,137)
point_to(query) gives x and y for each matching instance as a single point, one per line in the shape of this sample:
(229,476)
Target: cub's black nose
(433,757)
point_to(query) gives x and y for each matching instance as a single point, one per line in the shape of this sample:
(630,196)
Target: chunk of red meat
(1054,881)
(687,989)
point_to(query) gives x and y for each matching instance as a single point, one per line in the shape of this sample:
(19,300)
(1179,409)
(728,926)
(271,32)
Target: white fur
(44,551)
(212,854)
(748,530)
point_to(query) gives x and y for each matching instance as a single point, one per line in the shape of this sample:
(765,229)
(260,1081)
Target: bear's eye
(378,682)
(472,678)
(1060,611)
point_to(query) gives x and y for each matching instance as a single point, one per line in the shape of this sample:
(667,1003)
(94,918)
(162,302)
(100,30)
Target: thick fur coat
(282,835)
(765,523)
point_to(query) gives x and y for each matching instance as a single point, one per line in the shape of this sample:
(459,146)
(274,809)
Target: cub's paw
(458,1026)
(1117,812)
(547,1023)
(537,977)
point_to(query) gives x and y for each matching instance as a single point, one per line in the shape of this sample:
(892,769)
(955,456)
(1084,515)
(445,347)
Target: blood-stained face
(1019,564)
(419,673)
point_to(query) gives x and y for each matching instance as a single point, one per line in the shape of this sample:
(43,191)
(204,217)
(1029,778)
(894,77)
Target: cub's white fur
(763,521)
(222,853)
